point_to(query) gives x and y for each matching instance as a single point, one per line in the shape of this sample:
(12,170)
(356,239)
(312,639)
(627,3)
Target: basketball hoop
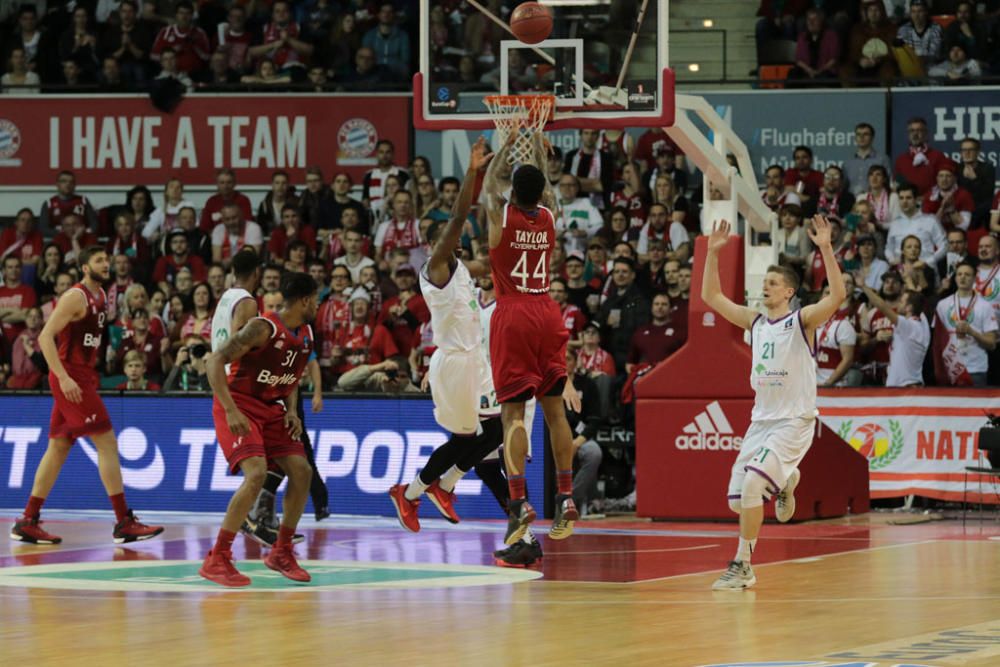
(522,115)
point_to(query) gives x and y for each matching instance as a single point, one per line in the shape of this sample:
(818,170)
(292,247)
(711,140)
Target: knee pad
(756,490)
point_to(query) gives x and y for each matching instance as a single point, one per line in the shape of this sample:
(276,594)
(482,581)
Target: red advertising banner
(126,140)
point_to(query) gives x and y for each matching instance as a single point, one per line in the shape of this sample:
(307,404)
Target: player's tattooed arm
(254,334)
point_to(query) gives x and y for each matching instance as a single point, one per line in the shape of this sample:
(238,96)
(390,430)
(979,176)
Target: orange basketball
(531,22)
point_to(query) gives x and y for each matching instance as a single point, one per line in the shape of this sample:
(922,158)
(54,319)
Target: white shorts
(771,449)
(456,382)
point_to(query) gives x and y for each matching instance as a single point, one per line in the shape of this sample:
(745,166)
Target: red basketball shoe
(29,530)
(443,500)
(130,529)
(218,567)
(282,559)
(406,509)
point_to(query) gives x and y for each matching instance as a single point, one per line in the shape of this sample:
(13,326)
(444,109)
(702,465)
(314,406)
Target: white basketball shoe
(737,577)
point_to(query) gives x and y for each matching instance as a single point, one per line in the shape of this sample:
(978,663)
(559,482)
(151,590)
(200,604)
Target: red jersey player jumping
(70,342)
(256,423)
(527,335)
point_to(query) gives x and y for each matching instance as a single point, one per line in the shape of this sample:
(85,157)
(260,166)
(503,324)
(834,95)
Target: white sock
(745,550)
(415,489)
(451,478)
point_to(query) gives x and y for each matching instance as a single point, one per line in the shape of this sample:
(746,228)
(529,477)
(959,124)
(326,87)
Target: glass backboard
(605,62)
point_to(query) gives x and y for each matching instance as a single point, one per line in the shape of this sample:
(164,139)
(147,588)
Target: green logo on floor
(177,576)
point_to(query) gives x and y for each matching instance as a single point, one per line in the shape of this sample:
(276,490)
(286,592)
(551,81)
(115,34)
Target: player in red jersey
(70,342)
(256,423)
(527,335)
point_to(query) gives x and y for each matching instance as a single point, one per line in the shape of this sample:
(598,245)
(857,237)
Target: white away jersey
(488,406)
(222,321)
(454,310)
(783,373)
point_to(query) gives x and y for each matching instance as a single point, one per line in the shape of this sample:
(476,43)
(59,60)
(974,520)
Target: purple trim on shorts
(802,328)
(770,321)
(736,497)
(765,476)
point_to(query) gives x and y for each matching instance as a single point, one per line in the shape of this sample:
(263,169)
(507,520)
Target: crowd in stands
(133,45)
(918,230)
(881,42)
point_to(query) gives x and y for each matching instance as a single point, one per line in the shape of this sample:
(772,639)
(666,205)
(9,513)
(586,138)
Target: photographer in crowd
(189,372)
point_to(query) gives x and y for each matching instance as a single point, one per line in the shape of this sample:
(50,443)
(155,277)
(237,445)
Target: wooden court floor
(858,591)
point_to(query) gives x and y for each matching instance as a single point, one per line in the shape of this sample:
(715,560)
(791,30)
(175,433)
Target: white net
(520,115)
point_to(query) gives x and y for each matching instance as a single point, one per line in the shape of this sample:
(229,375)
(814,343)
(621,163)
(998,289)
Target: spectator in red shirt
(654,342)
(649,145)
(22,240)
(920,164)
(225,194)
(802,178)
(129,242)
(141,338)
(599,366)
(373,189)
(135,374)
(573,317)
(65,202)
(15,300)
(234,40)
(282,45)
(361,342)
(73,238)
(403,314)
(333,314)
(233,234)
(951,204)
(188,41)
(401,231)
(121,280)
(291,229)
(180,256)
(27,362)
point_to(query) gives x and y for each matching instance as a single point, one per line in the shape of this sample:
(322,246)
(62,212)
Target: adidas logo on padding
(709,430)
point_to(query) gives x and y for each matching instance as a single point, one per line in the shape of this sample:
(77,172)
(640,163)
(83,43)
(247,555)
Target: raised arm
(816,314)
(439,266)
(878,302)
(497,180)
(711,289)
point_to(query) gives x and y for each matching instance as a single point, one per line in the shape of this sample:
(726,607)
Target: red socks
(224,542)
(34,507)
(285,535)
(118,503)
(516,485)
(564,481)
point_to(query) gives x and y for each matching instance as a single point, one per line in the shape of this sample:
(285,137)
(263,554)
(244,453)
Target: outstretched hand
(821,231)
(479,157)
(719,236)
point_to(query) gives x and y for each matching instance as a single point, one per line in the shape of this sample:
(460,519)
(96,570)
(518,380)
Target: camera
(198,350)
(392,373)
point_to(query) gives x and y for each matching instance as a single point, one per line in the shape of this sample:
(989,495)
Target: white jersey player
(460,381)
(783,377)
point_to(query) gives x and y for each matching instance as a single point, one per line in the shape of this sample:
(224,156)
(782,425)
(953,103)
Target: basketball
(531,22)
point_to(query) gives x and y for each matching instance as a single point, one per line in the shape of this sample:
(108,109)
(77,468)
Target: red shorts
(527,346)
(75,420)
(268,436)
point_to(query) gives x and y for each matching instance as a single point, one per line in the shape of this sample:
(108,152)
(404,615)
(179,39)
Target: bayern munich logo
(357,138)
(10,139)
